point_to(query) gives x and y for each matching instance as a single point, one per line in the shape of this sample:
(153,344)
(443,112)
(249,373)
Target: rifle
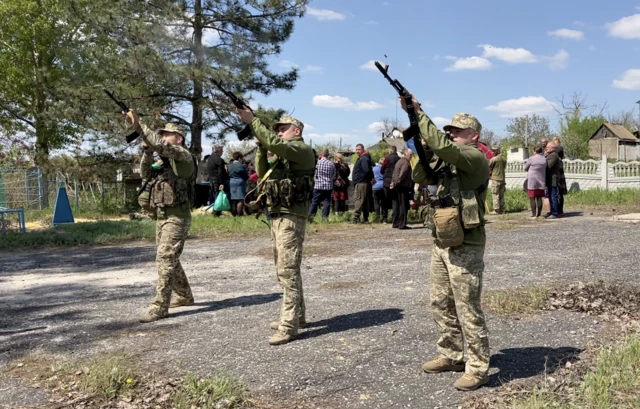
(134,135)
(413,131)
(240,104)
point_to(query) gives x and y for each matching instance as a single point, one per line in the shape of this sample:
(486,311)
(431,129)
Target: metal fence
(32,189)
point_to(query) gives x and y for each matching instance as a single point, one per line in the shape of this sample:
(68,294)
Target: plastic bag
(222,202)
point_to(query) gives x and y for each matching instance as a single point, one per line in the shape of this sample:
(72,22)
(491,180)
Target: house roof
(619,132)
(385,143)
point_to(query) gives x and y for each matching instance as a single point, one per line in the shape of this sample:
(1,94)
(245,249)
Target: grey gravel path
(366,291)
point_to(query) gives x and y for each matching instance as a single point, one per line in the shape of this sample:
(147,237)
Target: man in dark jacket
(402,185)
(554,164)
(217,170)
(361,177)
(387,170)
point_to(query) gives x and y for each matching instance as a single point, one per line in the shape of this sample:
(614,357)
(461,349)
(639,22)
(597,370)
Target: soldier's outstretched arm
(167,150)
(262,165)
(273,142)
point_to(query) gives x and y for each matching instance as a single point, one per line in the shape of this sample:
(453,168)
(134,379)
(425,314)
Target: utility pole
(526,131)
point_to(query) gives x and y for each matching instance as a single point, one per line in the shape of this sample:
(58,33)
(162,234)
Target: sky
(496,60)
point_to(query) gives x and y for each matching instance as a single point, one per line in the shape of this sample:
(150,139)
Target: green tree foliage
(526,131)
(575,132)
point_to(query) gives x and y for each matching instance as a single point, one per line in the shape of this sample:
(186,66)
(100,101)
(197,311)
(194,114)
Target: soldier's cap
(288,119)
(170,127)
(464,121)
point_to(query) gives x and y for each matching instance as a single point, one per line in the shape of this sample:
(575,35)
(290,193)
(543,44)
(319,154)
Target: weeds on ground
(111,375)
(218,391)
(525,300)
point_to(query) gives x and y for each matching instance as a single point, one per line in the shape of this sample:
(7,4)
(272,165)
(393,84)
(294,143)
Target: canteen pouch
(448,229)
(163,194)
(426,214)
(287,192)
(144,198)
(470,209)
(272,192)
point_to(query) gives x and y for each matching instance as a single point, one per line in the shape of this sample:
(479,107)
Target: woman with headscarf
(340,183)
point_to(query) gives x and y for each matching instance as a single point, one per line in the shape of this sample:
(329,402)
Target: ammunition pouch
(286,192)
(144,197)
(448,229)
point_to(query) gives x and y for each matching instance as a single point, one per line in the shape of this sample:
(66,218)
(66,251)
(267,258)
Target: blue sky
(495,59)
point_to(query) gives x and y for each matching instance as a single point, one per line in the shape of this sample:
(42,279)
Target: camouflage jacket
(179,159)
(470,163)
(294,158)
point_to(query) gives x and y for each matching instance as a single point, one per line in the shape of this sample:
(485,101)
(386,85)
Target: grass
(111,375)
(217,391)
(613,383)
(524,300)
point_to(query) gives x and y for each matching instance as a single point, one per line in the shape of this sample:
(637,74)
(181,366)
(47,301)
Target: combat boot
(181,302)
(469,382)
(282,337)
(275,325)
(151,317)
(442,365)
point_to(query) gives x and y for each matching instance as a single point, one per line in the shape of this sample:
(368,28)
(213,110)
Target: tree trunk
(196,118)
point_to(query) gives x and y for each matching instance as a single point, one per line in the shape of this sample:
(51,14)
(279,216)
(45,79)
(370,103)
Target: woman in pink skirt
(536,167)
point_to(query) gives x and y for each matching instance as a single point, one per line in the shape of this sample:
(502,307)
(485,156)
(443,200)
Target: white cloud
(287,64)
(440,121)
(308,68)
(512,108)
(560,60)
(323,14)
(436,57)
(369,65)
(308,127)
(567,33)
(372,23)
(627,27)
(374,126)
(524,56)
(329,101)
(509,55)
(630,80)
(335,137)
(469,63)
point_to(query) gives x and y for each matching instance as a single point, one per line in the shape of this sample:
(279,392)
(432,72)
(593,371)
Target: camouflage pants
(497,191)
(456,287)
(287,236)
(170,236)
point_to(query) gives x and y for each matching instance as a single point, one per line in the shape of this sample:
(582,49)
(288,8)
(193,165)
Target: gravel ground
(366,291)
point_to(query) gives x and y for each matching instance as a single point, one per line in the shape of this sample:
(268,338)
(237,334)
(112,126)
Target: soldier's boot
(469,382)
(442,365)
(275,325)
(282,337)
(148,316)
(181,302)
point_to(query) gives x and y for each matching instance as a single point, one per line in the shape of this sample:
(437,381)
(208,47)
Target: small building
(517,154)
(615,141)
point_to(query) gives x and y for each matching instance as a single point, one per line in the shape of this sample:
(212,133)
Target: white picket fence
(585,174)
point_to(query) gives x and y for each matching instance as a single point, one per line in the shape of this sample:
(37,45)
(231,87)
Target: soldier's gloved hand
(131,118)
(245,114)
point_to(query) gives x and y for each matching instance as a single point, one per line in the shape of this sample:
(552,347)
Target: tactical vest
(453,210)
(286,186)
(171,190)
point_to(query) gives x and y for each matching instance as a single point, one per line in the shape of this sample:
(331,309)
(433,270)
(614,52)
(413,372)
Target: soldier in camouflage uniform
(288,189)
(170,205)
(457,260)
